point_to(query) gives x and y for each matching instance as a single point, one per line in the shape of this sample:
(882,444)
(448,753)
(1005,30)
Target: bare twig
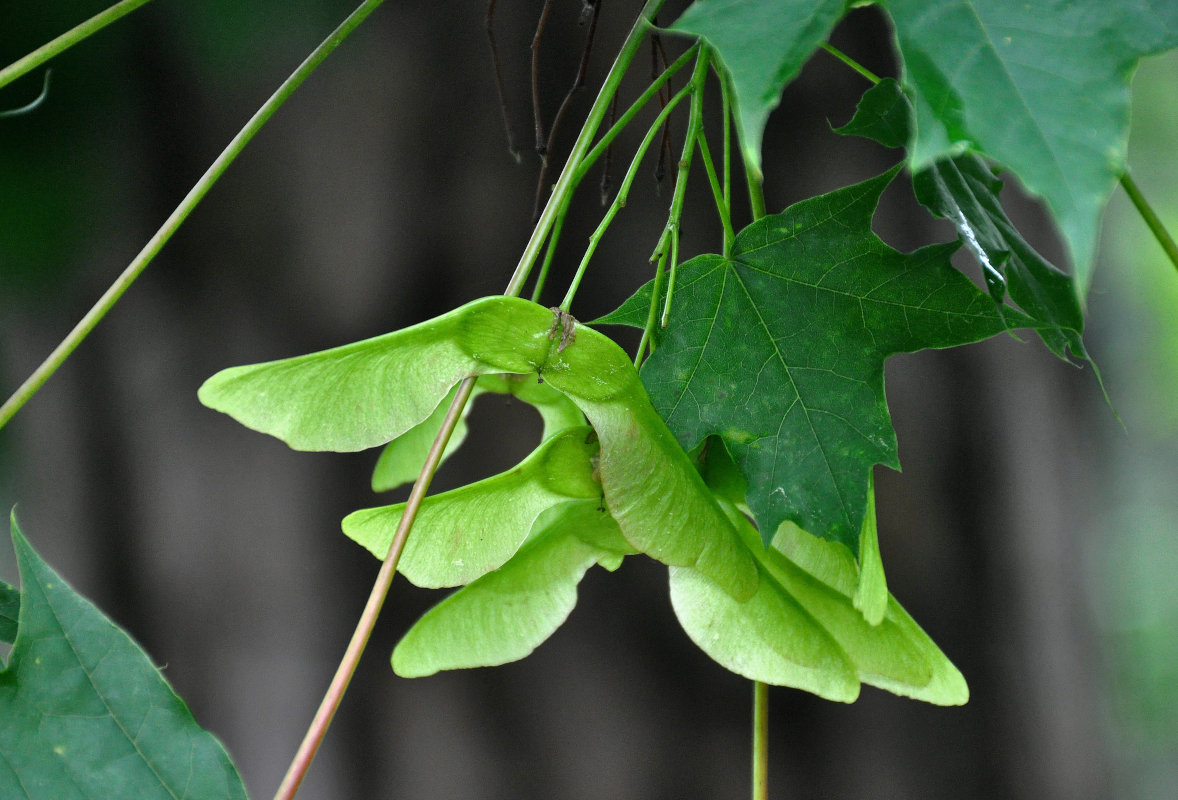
(541,140)
(512,146)
(578,83)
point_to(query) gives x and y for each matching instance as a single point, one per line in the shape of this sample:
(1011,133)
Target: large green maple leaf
(964,190)
(779,350)
(1042,88)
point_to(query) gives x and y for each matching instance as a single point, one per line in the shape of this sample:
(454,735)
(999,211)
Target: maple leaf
(1042,88)
(779,350)
(964,190)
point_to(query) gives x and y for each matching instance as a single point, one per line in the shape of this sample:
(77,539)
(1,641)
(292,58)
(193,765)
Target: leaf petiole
(850,62)
(651,90)
(694,128)
(717,193)
(623,193)
(1150,217)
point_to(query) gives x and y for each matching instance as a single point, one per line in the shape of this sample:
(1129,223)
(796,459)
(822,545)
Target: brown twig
(512,146)
(541,141)
(579,83)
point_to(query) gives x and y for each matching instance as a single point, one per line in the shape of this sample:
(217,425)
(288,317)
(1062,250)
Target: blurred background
(1031,533)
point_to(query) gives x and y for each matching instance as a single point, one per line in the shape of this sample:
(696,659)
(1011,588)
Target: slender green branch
(380,589)
(567,181)
(67,40)
(553,239)
(850,62)
(177,217)
(726,112)
(694,127)
(652,315)
(717,193)
(599,148)
(760,741)
(623,194)
(1152,221)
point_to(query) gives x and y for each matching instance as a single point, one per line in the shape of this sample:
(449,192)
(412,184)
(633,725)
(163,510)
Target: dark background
(1030,533)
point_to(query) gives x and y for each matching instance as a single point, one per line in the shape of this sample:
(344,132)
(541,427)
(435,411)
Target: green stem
(760,690)
(850,62)
(67,40)
(653,314)
(623,194)
(717,194)
(177,217)
(632,111)
(694,127)
(380,589)
(760,741)
(726,111)
(569,175)
(1152,221)
(557,225)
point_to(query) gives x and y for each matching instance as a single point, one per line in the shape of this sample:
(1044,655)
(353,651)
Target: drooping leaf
(370,392)
(462,534)
(964,190)
(506,614)
(401,460)
(1042,88)
(801,628)
(86,715)
(779,350)
(762,45)
(9,612)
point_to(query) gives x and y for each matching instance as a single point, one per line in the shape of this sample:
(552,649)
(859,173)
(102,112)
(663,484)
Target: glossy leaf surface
(368,393)
(86,714)
(779,351)
(964,190)
(506,614)
(1043,88)
(762,45)
(462,534)
(801,628)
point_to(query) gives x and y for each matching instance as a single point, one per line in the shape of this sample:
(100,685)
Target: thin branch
(541,141)
(571,174)
(850,62)
(578,84)
(67,40)
(607,182)
(1151,219)
(760,741)
(380,589)
(177,217)
(512,146)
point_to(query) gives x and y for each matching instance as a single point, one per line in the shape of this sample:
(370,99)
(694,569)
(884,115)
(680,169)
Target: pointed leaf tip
(86,712)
